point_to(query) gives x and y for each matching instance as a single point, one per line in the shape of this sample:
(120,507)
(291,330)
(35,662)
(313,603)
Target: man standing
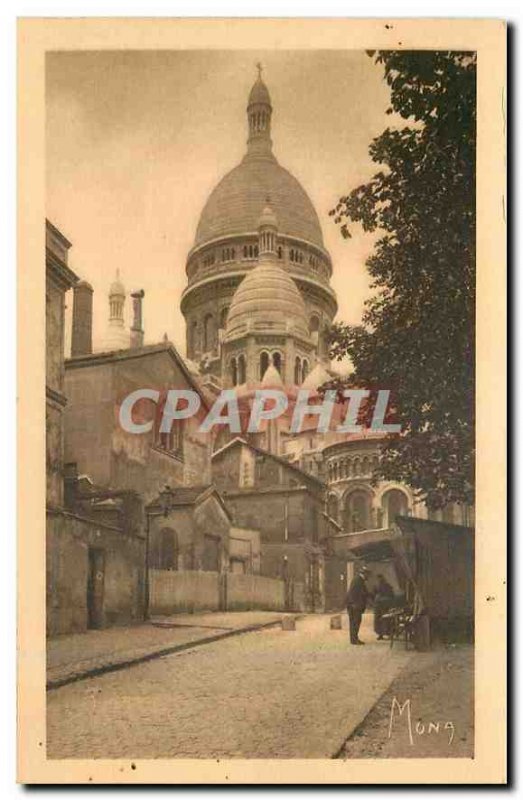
(357,597)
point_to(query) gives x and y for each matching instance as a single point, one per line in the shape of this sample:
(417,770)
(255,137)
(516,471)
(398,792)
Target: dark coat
(358,594)
(384,598)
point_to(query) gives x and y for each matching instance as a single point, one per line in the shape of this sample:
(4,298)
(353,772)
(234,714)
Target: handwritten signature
(420,728)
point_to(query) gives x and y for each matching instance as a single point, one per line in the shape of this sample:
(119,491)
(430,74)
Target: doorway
(95,588)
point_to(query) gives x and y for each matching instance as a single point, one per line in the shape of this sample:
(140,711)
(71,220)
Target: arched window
(356,465)
(241,370)
(208,333)
(314,324)
(245,251)
(280,253)
(234,372)
(264,363)
(276,360)
(255,251)
(297,372)
(304,368)
(357,514)
(365,469)
(332,506)
(394,504)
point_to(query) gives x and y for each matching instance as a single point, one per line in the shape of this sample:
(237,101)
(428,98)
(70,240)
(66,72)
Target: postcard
(262,507)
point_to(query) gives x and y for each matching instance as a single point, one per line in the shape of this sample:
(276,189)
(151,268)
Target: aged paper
(264,548)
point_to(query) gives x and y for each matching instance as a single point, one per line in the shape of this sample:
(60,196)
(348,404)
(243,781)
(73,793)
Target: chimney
(82,333)
(137,330)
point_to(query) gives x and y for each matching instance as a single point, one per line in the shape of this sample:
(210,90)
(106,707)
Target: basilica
(288,508)
(258,307)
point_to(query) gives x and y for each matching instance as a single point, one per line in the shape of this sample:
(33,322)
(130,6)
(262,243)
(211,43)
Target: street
(266,694)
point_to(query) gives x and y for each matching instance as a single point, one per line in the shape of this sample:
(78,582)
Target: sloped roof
(265,453)
(106,357)
(189,496)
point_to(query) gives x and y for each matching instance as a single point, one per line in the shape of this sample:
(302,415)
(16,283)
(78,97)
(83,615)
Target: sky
(137,140)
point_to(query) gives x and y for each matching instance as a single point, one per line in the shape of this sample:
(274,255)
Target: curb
(359,725)
(56,683)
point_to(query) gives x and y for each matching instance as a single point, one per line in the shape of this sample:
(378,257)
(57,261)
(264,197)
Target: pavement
(438,721)
(270,693)
(81,655)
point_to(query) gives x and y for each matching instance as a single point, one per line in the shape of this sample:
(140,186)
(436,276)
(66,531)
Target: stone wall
(68,540)
(171,591)
(254,591)
(54,449)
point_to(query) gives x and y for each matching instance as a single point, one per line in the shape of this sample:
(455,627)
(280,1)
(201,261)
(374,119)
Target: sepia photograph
(261,360)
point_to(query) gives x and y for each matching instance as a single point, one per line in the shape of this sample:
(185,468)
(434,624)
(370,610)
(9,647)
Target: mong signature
(420,728)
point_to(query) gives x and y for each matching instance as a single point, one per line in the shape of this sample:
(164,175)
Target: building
(189,530)
(59,279)
(95,546)
(287,505)
(97,384)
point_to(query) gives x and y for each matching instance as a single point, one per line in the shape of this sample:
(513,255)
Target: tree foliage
(417,332)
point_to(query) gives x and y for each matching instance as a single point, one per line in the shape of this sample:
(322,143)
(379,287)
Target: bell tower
(259,112)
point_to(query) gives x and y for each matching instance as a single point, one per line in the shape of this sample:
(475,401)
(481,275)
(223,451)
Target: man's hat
(365,569)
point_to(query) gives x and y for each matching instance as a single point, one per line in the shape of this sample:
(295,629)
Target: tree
(417,331)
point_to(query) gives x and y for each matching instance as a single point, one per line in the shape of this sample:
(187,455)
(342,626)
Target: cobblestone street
(271,693)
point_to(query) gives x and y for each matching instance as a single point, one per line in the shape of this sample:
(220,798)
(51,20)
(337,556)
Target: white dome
(267,300)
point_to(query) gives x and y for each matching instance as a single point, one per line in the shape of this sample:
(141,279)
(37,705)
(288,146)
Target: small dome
(316,378)
(259,93)
(268,218)
(267,300)
(117,286)
(272,378)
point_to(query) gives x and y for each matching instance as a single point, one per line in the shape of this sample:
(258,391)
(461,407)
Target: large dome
(267,300)
(236,203)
